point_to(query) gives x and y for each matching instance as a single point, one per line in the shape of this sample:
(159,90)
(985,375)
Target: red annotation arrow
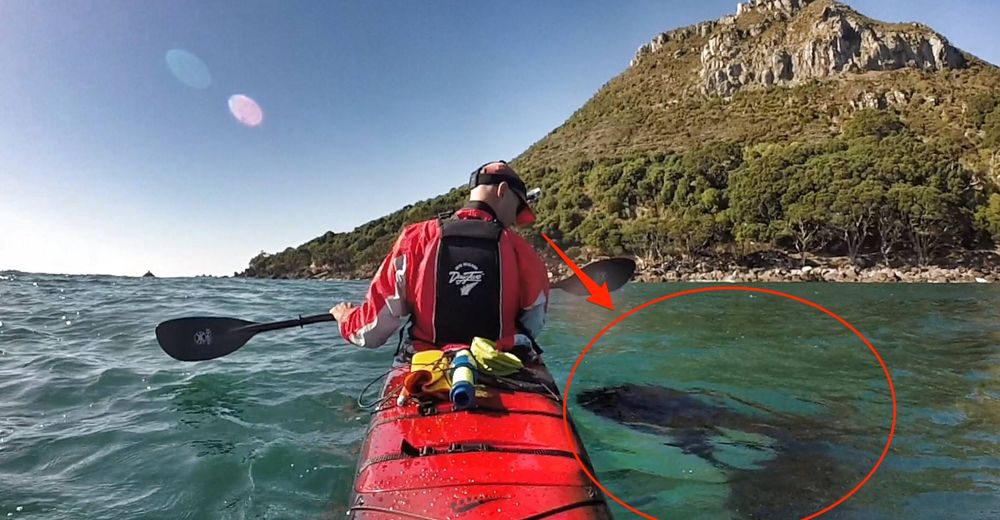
(599,294)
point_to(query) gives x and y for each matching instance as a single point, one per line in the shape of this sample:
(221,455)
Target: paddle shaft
(203,338)
(264,327)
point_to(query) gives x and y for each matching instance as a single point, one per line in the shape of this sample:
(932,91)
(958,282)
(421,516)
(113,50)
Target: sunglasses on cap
(502,172)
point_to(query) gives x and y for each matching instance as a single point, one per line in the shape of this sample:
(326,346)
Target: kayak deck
(506,458)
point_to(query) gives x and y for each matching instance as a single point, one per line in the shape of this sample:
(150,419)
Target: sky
(120,153)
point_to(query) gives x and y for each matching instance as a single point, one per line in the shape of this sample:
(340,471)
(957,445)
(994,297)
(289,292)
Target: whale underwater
(804,469)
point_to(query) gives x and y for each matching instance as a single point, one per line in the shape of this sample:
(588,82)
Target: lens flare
(188,68)
(246,110)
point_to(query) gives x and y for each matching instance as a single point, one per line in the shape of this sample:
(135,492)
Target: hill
(792,126)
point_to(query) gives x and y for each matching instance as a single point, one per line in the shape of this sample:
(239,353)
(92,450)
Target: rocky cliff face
(788,42)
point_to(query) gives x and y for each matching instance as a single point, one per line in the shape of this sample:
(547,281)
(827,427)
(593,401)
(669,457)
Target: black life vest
(469,288)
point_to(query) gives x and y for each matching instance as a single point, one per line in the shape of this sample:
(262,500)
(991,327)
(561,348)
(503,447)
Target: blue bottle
(463,380)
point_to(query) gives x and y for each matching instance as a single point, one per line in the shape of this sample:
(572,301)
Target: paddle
(613,271)
(203,338)
(198,339)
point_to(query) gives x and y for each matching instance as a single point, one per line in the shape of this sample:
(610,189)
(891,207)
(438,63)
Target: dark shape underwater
(801,477)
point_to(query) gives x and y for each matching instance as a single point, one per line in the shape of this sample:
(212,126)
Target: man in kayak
(460,277)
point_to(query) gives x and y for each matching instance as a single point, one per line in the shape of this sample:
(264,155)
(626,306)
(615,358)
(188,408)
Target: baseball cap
(499,171)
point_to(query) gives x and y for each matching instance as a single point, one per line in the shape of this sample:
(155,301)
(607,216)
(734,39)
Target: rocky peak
(771,7)
(787,42)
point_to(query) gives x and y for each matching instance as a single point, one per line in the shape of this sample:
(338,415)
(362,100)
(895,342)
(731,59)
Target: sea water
(97,422)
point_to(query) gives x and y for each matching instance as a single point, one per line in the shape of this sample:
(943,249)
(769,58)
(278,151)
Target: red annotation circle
(892,390)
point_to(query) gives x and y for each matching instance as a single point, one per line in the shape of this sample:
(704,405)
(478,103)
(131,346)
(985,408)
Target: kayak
(506,457)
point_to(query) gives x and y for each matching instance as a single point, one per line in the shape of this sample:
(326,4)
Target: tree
(874,123)
(889,228)
(926,216)
(988,218)
(693,230)
(995,165)
(979,106)
(991,129)
(712,200)
(854,214)
(713,162)
(601,232)
(807,221)
(648,238)
(756,191)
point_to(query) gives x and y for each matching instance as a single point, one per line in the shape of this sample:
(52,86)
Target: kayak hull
(509,457)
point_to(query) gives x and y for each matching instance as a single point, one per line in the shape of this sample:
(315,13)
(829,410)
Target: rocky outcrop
(830,275)
(784,8)
(647,48)
(811,39)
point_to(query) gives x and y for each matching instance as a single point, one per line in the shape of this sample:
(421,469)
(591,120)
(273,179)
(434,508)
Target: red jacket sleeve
(382,312)
(534,281)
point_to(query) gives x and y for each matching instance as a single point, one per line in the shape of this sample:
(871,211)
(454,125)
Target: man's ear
(502,189)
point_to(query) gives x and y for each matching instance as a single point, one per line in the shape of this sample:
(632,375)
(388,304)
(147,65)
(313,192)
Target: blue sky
(110,164)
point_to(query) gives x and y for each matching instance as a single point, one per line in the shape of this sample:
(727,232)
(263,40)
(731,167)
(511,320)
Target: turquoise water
(96,422)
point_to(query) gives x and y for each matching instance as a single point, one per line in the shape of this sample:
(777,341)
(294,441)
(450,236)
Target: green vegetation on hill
(644,112)
(877,189)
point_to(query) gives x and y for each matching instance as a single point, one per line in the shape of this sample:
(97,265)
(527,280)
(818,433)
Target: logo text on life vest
(466,276)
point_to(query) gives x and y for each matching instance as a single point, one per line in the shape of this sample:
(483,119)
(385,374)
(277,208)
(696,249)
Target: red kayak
(508,457)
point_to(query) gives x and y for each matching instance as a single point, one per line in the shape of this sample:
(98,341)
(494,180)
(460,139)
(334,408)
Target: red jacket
(405,284)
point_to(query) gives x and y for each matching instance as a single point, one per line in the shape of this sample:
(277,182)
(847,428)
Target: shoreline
(761,267)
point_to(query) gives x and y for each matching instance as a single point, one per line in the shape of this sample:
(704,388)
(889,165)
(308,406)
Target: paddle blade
(198,339)
(616,272)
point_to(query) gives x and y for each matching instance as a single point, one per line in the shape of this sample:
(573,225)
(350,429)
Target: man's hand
(341,310)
